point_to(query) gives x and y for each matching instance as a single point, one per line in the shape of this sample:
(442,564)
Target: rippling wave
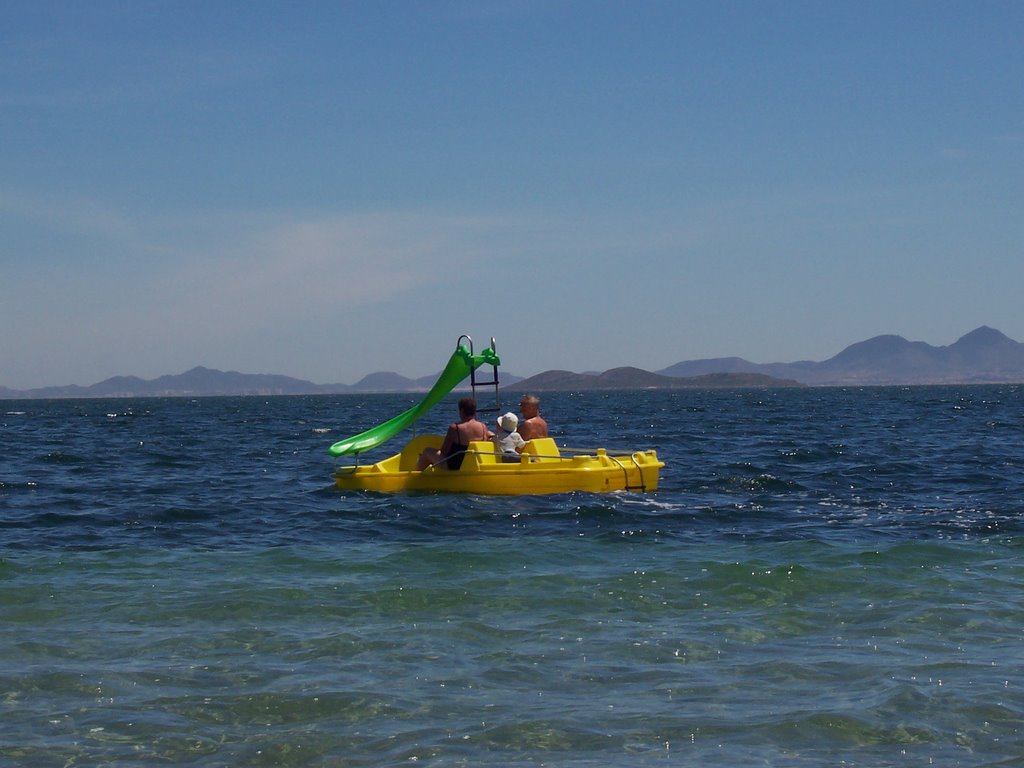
(825,576)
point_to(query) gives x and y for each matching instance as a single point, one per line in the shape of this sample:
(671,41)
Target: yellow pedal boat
(542,469)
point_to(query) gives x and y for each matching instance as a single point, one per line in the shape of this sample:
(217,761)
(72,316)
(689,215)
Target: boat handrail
(466,452)
(625,473)
(614,454)
(444,460)
(473,451)
(621,452)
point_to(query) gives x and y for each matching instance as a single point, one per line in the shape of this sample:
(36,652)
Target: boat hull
(542,469)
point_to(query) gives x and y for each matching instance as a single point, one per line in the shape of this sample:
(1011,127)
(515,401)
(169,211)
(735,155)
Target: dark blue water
(825,577)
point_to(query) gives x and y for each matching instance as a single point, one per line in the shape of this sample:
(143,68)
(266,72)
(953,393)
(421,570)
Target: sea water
(824,577)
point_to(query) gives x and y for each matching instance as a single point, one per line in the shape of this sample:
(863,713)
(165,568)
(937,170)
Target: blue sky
(328,189)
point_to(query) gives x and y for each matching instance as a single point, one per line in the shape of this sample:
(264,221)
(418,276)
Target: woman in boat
(456,441)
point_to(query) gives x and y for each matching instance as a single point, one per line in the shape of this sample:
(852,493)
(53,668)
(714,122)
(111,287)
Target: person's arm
(449,440)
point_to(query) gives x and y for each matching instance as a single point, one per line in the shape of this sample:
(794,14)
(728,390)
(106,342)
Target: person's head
(508,422)
(529,406)
(467,408)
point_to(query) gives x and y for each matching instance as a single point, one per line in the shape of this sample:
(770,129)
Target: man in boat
(532,425)
(457,439)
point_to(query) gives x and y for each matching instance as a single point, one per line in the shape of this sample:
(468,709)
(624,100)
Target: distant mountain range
(196,382)
(637,378)
(209,382)
(984,355)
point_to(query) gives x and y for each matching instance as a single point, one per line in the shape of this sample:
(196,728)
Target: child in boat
(507,441)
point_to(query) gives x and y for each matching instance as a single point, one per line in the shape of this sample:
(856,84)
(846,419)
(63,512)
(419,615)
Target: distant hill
(197,382)
(385,381)
(209,382)
(388,381)
(636,378)
(984,355)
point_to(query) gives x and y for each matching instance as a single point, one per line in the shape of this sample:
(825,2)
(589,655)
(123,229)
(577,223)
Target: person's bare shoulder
(533,428)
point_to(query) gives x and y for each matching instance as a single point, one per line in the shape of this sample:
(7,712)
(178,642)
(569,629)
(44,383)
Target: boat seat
(543,448)
(413,449)
(484,450)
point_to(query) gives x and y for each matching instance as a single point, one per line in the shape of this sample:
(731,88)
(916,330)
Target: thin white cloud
(69,213)
(317,262)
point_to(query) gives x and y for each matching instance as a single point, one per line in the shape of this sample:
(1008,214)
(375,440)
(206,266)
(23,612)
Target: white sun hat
(508,422)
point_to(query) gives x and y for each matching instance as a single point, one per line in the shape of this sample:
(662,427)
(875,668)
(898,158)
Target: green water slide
(461,364)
